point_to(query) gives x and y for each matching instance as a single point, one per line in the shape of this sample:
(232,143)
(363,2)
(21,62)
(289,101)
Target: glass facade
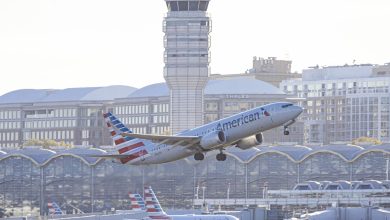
(74,181)
(343,109)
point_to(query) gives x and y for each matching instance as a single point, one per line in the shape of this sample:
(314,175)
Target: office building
(343,103)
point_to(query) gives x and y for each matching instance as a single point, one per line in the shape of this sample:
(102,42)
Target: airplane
(155,211)
(242,130)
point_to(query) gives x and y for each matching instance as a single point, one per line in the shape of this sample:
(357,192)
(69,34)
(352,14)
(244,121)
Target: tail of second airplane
(124,144)
(137,203)
(153,207)
(54,208)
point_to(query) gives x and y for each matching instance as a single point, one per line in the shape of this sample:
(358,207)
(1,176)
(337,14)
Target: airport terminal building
(32,177)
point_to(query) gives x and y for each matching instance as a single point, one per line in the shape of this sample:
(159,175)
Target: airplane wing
(187,141)
(153,137)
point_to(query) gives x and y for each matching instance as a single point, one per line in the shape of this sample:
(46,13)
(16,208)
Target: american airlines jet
(155,211)
(242,130)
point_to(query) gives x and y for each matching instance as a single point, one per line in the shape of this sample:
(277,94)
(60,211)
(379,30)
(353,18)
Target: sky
(57,44)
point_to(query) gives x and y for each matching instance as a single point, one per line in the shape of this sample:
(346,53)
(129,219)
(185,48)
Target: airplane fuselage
(235,128)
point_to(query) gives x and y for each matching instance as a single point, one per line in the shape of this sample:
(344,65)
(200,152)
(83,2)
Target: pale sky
(60,44)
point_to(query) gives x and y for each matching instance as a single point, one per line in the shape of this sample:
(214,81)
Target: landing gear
(199,156)
(286,131)
(221,156)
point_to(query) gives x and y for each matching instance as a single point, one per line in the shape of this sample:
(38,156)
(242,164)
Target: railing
(309,197)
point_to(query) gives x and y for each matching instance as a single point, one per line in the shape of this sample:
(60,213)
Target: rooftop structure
(270,70)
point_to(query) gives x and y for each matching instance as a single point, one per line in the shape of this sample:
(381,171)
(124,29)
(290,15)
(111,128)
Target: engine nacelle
(250,141)
(213,139)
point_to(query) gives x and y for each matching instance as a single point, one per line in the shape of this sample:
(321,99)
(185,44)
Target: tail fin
(112,123)
(153,207)
(54,208)
(125,144)
(137,203)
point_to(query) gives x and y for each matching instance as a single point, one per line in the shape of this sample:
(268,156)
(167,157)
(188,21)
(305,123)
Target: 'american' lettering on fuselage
(242,120)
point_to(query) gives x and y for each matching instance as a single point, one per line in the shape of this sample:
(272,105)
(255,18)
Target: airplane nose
(298,110)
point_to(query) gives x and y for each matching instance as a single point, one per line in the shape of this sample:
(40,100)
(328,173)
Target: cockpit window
(286,105)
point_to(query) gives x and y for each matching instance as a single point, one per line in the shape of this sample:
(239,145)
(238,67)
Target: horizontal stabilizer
(116,156)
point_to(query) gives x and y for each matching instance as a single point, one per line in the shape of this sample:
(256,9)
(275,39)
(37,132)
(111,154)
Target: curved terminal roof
(41,156)
(296,154)
(25,95)
(242,155)
(154,90)
(85,154)
(71,94)
(348,151)
(35,154)
(238,86)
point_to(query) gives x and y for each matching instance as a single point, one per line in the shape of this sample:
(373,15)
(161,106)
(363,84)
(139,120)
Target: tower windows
(187,5)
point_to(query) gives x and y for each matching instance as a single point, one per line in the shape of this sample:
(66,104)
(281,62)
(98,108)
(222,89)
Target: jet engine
(213,139)
(250,141)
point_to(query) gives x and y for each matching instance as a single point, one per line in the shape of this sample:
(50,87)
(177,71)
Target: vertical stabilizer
(153,207)
(116,128)
(137,203)
(125,145)
(54,209)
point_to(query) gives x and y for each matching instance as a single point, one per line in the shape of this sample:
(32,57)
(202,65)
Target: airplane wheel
(286,132)
(198,156)
(221,157)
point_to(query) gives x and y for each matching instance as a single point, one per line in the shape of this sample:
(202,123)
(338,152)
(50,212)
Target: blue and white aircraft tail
(242,130)
(155,211)
(54,209)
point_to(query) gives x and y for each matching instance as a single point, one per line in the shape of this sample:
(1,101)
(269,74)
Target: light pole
(203,189)
(228,191)
(387,168)
(197,192)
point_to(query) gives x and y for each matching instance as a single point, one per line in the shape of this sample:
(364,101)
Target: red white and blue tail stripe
(54,208)
(126,145)
(112,123)
(136,202)
(153,207)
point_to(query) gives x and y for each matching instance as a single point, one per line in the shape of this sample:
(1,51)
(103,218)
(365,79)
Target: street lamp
(197,192)
(203,189)
(387,168)
(228,191)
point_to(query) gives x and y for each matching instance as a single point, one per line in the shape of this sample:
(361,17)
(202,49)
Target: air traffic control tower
(187,27)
